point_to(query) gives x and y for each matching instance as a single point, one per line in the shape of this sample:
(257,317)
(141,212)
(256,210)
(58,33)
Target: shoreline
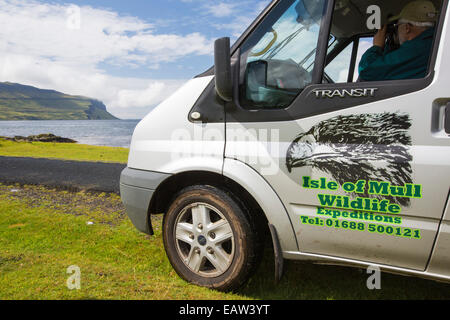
(111,133)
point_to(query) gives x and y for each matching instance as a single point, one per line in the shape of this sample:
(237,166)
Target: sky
(129,54)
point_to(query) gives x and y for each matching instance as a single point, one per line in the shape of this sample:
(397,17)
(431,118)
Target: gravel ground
(69,175)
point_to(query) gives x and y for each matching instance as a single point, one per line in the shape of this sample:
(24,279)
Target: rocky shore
(47,137)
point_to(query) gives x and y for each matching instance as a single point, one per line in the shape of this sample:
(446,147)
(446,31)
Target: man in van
(415,31)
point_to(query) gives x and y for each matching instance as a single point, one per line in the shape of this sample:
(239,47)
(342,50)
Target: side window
(364,45)
(277,60)
(401,51)
(337,70)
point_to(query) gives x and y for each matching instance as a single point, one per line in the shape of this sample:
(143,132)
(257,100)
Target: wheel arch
(166,191)
(245,185)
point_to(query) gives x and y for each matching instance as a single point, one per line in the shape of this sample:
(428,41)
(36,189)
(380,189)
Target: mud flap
(278,254)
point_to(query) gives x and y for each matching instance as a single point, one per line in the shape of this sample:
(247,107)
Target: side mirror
(222,69)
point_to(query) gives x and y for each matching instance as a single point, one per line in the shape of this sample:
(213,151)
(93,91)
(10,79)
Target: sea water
(113,133)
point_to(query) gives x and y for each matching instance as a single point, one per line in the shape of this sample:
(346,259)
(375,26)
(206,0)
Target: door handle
(447,119)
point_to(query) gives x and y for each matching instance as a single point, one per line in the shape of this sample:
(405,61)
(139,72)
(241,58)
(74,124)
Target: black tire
(243,250)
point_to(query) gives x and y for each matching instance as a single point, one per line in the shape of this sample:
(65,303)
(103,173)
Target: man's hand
(379,39)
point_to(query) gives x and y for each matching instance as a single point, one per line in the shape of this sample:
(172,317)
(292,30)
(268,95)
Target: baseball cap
(418,11)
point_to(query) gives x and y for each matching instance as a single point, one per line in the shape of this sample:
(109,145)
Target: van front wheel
(208,238)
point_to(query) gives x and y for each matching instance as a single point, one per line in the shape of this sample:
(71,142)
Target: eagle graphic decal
(358,147)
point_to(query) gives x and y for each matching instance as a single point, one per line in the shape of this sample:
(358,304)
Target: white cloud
(140,98)
(117,93)
(221,9)
(237,26)
(242,18)
(40,46)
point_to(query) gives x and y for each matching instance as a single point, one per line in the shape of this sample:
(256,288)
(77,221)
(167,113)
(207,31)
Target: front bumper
(136,190)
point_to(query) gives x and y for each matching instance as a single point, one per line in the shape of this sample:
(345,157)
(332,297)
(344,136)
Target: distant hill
(20,102)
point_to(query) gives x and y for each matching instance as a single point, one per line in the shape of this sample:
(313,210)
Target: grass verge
(64,151)
(44,231)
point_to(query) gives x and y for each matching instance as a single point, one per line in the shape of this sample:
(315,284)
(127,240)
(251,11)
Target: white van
(283,137)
